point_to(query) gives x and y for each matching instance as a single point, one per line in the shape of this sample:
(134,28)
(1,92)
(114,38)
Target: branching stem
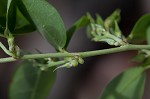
(81,54)
(5,49)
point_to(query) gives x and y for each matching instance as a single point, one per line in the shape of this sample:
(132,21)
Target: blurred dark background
(85,81)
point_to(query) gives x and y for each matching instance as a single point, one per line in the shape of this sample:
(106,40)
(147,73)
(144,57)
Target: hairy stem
(81,54)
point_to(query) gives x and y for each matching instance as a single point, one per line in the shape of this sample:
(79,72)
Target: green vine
(36,73)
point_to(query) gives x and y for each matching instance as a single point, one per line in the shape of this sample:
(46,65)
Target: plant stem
(5,49)
(53,64)
(81,54)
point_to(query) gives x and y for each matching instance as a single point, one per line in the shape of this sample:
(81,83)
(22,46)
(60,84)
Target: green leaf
(82,22)
(46,19)
(138,33)
(117,30)
(127,85)
(92,20)
(31,83)
(148,35)
(1,29)
(3,21)
(3,10)
(11,15)
(140,57)
(109,21)
(24,29)
(3,7)
(23,26)
(91,26)
(146,62)
(99,20)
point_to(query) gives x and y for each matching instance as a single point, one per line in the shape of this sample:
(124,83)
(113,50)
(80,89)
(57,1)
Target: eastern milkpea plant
(36,75)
